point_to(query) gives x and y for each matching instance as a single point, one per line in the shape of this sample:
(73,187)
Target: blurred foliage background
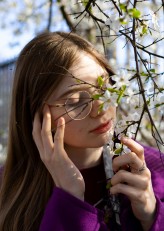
(21,20)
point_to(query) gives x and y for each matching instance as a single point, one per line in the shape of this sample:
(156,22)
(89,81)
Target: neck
(85,157)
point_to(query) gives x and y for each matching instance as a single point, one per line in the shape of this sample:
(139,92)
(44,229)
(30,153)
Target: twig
(49,16)
(141,85)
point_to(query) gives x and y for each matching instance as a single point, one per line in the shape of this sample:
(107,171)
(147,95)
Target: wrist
(147,223)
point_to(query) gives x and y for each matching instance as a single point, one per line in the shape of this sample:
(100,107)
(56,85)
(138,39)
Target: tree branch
(141,86)
(49,16)
(66,17)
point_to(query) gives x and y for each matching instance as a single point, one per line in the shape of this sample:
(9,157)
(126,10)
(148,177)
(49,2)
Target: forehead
(85,69)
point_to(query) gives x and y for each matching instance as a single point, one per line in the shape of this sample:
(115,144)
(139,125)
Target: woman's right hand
(63,171)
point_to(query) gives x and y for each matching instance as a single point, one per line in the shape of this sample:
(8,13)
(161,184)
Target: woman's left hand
(135,184)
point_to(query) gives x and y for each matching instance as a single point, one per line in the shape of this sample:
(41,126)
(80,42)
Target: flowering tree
(138,88)
(130,34)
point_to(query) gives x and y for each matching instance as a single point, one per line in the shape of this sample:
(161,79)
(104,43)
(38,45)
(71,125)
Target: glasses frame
(59,105)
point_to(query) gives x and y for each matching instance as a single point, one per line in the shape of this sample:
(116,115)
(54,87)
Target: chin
(94,142)
(100,141)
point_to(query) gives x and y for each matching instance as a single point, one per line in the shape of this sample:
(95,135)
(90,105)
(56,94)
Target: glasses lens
(78,105)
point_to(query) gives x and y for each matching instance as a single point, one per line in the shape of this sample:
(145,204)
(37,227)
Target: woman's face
(92,131)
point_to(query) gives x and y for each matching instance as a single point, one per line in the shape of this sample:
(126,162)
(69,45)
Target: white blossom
(136,104)
(120,126)
(131,130)
(154,20)
(142,30)
(126,150)
(118,145)
(132,116)
(130,93)
(121,78)
(111,144)
(109,99)
(150,88)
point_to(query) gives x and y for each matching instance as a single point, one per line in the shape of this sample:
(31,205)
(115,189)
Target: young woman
(55,174)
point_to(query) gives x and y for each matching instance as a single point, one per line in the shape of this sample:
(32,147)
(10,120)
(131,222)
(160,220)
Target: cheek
(54,119)
(73,132)
(112,111)
(73,128)
(55,115)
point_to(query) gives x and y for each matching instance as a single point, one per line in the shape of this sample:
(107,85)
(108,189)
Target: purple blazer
(65,212)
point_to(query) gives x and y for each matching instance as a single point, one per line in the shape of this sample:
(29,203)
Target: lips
(102,128)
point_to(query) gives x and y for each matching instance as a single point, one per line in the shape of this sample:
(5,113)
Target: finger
(123,176)
(46,130)
(134,147)
(59,135)
(131,192)
(36,132)
(130,159)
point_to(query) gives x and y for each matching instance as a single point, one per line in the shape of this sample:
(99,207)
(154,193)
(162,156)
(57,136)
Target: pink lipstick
(102,128)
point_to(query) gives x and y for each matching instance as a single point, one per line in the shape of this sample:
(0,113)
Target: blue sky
(10,43)
(7,51)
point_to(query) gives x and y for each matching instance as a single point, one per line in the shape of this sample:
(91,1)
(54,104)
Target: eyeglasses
(77,106)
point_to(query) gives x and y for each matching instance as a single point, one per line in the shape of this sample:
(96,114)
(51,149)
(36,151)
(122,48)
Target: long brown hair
(27,184)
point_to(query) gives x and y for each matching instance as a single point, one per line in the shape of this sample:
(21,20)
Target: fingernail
(124,139)
(60,121)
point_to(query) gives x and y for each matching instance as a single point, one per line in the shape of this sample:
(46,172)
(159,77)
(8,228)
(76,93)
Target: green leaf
(134,13)
(152,70)
(100,81)
(159,104)
(123,88)
(148,102)
(123,7)
(144,30)
(148,126)
(109,185)
(85,4)
(78,81)
(97,96)
(118,151)
(121,93)
(100,108)
(122,21)
(113,90)
(144,74)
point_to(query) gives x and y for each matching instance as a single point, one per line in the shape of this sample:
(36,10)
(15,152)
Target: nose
(96,109)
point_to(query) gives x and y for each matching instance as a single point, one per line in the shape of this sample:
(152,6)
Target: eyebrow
(73,90)
(79,87)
